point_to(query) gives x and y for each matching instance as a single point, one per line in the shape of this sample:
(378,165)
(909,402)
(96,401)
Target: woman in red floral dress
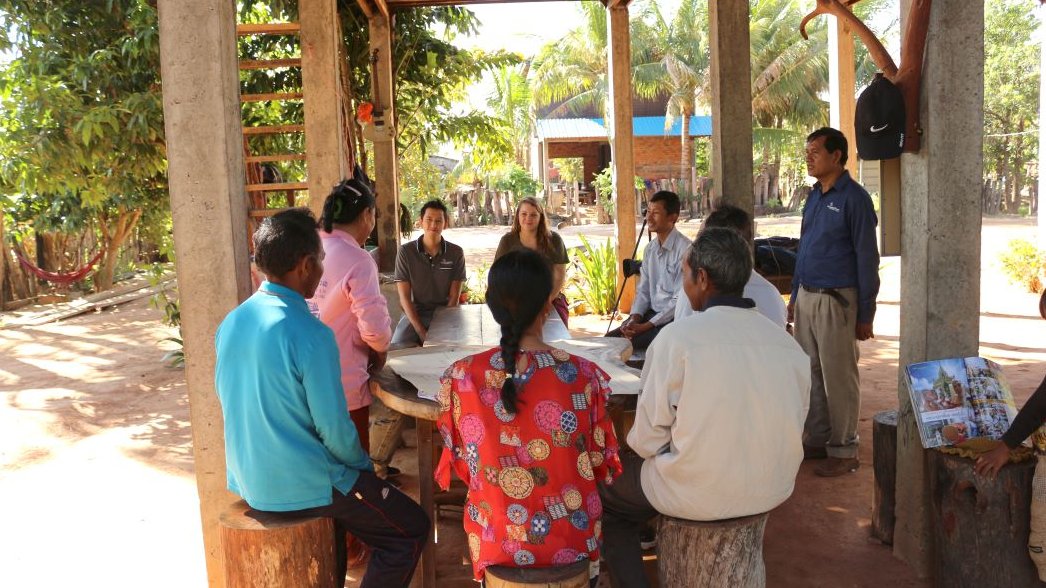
(531,448)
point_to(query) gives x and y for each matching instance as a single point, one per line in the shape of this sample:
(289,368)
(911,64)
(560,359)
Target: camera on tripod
(631,267)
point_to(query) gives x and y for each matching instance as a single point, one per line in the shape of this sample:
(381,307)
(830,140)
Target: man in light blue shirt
(289,442)
(661,276)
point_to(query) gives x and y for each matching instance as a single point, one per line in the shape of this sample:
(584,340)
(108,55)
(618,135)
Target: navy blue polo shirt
(837,245)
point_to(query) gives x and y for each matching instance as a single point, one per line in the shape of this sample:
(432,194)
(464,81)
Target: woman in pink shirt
(348,299)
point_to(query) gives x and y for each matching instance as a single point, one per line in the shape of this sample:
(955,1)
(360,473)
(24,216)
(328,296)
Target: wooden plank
(271,96)
(277,187)
(268,28)
(273,129)
(264,212)
(272,158)
(246,64)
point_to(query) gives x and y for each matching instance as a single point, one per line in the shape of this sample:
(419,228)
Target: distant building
(656,149)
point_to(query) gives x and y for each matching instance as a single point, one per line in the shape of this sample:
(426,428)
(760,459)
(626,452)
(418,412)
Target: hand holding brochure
(958,399)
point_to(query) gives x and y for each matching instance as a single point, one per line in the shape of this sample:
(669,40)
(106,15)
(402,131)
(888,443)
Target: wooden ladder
(256,187)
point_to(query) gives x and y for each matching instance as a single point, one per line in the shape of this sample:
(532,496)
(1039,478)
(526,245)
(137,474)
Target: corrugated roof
(642,126)
(571,128)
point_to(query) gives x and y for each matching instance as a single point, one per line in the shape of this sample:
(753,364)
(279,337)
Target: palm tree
(675,62)
(511,102)
(573,70)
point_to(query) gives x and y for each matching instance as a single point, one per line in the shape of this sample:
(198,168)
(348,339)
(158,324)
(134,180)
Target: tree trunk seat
(263,550)
(711,554)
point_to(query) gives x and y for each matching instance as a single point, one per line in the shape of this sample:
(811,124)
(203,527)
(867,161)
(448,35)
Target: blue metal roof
(642,126)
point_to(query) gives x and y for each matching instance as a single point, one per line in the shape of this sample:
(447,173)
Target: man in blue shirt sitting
(834,287)
(290,445)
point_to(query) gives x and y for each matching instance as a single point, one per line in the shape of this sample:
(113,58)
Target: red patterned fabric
(531,475)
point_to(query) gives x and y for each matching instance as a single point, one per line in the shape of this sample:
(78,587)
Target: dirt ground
(96,471)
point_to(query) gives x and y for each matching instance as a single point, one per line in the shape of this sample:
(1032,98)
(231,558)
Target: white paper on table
(423,366)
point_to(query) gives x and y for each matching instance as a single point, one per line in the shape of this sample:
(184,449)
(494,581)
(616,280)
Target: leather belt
(829,291)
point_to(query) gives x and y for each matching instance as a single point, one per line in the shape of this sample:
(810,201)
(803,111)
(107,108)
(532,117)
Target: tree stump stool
(980,526)
(884,464)
(574,575)
(263,550)
(711,554)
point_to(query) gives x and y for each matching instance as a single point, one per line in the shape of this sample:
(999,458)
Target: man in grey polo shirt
(429,273)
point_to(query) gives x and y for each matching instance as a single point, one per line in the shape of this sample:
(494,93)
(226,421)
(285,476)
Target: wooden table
(402,397)
(472,324)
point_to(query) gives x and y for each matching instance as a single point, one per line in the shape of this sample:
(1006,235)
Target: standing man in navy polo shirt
(833,299)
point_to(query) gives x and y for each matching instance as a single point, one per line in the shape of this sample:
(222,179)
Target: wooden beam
(386,167)
(327,158)
(270,28)
(264,212)
(368,8)
(275,158)
(271,96)
(278,186)
(246,64)
(619,66)
(273,130)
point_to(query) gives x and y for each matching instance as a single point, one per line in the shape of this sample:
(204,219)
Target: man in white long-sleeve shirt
(719,423)
(659,280)
(767,299)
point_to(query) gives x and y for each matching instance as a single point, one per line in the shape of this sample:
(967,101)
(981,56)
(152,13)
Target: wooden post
(980,525)
(884,462)
(574,575)
(619,65)
(842,85)
(731,102)
(263,550)
(383,134)
(726,553)
(325,147)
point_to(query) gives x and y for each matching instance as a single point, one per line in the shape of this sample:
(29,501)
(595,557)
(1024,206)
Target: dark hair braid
(518,286)
(346,202)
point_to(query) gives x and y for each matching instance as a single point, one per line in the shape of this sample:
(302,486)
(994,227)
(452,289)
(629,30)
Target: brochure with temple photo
(958,399)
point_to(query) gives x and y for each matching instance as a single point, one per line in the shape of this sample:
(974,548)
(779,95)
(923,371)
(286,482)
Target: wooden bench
(574,575)
(711,554)
(263,550)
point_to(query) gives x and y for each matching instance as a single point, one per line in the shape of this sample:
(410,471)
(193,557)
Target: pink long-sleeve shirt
(349,301)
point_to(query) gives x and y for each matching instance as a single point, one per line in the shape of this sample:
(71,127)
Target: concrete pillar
(731,71)
(941,242)
(326,151)
(841,85)
(383,134)
(622,146)
(209,206)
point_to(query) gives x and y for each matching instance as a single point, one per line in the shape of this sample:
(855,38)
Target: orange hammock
(66,278)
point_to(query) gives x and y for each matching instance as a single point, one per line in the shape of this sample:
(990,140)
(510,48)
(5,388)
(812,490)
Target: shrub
(475,286)
(1023,263)
(596,272)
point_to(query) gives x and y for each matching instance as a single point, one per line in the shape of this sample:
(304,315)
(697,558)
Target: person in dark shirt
(1031,417)
(834,287)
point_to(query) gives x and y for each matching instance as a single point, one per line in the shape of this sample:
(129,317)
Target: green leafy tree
(81,119)
(512,104)
(516,180)
(1011,99)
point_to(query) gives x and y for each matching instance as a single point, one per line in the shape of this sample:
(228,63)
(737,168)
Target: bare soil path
(96,473)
